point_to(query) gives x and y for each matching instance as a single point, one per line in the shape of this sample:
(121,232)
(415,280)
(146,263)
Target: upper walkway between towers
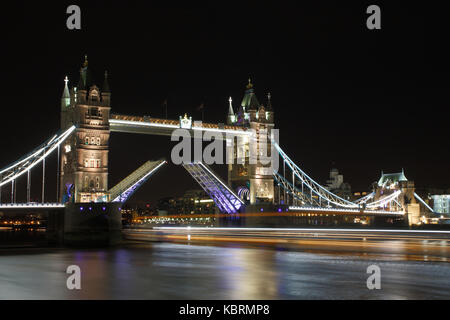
(149,125)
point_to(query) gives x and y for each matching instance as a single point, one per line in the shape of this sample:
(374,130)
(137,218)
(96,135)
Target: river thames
(320,268)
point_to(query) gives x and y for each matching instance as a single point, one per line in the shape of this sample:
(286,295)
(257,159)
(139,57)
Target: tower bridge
(252,186)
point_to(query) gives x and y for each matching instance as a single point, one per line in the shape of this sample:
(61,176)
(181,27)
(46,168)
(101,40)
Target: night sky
(345,96)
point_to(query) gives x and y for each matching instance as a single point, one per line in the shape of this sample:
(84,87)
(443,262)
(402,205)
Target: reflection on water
(177,271)
(249,273)
(19,237)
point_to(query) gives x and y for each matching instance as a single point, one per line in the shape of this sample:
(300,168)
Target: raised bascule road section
(226,199)
(125,189)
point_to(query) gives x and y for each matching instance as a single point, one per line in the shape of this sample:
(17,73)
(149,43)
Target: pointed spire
(65,99)
(85,64)
(105,83)
(230,110)
(66,93)
(402,176)
(250,102)
(269,102)
(249,85)
(81,84)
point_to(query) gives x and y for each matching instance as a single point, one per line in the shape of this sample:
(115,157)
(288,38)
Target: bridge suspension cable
(383,201)
(24,165)
(322,193)
(295,192)
(424,203)
(365,198)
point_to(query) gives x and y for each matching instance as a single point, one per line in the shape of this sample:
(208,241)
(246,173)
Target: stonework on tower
(390,183)
(84,158)
(252,178)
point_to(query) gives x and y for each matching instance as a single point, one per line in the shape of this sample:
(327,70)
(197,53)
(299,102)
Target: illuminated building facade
(441,203)
(253,180)
(192,202)
(84,158)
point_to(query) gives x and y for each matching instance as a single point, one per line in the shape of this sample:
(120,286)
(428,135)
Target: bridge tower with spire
(84,157)
(252,178)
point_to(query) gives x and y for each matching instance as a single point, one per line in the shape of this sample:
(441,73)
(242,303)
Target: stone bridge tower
(251,177)
(84,156)
(392,182)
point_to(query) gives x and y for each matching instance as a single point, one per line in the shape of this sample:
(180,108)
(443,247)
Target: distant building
(337,185)
(197,201)
(441,203)
(192,202)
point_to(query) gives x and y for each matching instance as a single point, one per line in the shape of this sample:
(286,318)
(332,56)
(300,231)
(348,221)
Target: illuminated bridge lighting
(118,123)
(225,199)
(303,229)
(143,124)
(125,189)
(383,201)
(340,210)
(325,195)
(32,205)
(22,166)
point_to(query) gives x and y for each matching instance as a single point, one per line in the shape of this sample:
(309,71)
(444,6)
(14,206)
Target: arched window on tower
(94,95)
(98,141)
(86,140)
(97,182)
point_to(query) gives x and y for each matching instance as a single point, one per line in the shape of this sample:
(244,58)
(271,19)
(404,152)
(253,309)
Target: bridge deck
(31,206)
(338,211)
(155,126)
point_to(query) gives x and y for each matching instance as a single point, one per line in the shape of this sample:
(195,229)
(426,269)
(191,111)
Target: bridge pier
(55,227)
(86,224)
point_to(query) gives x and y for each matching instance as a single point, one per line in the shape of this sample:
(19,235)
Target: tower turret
(231,118)
(250,103)
(81,88)
(65,99)
(106,92)
(85,81)
(269,109)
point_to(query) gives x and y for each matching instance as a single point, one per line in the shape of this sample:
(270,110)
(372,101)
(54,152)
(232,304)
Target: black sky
(362,100)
